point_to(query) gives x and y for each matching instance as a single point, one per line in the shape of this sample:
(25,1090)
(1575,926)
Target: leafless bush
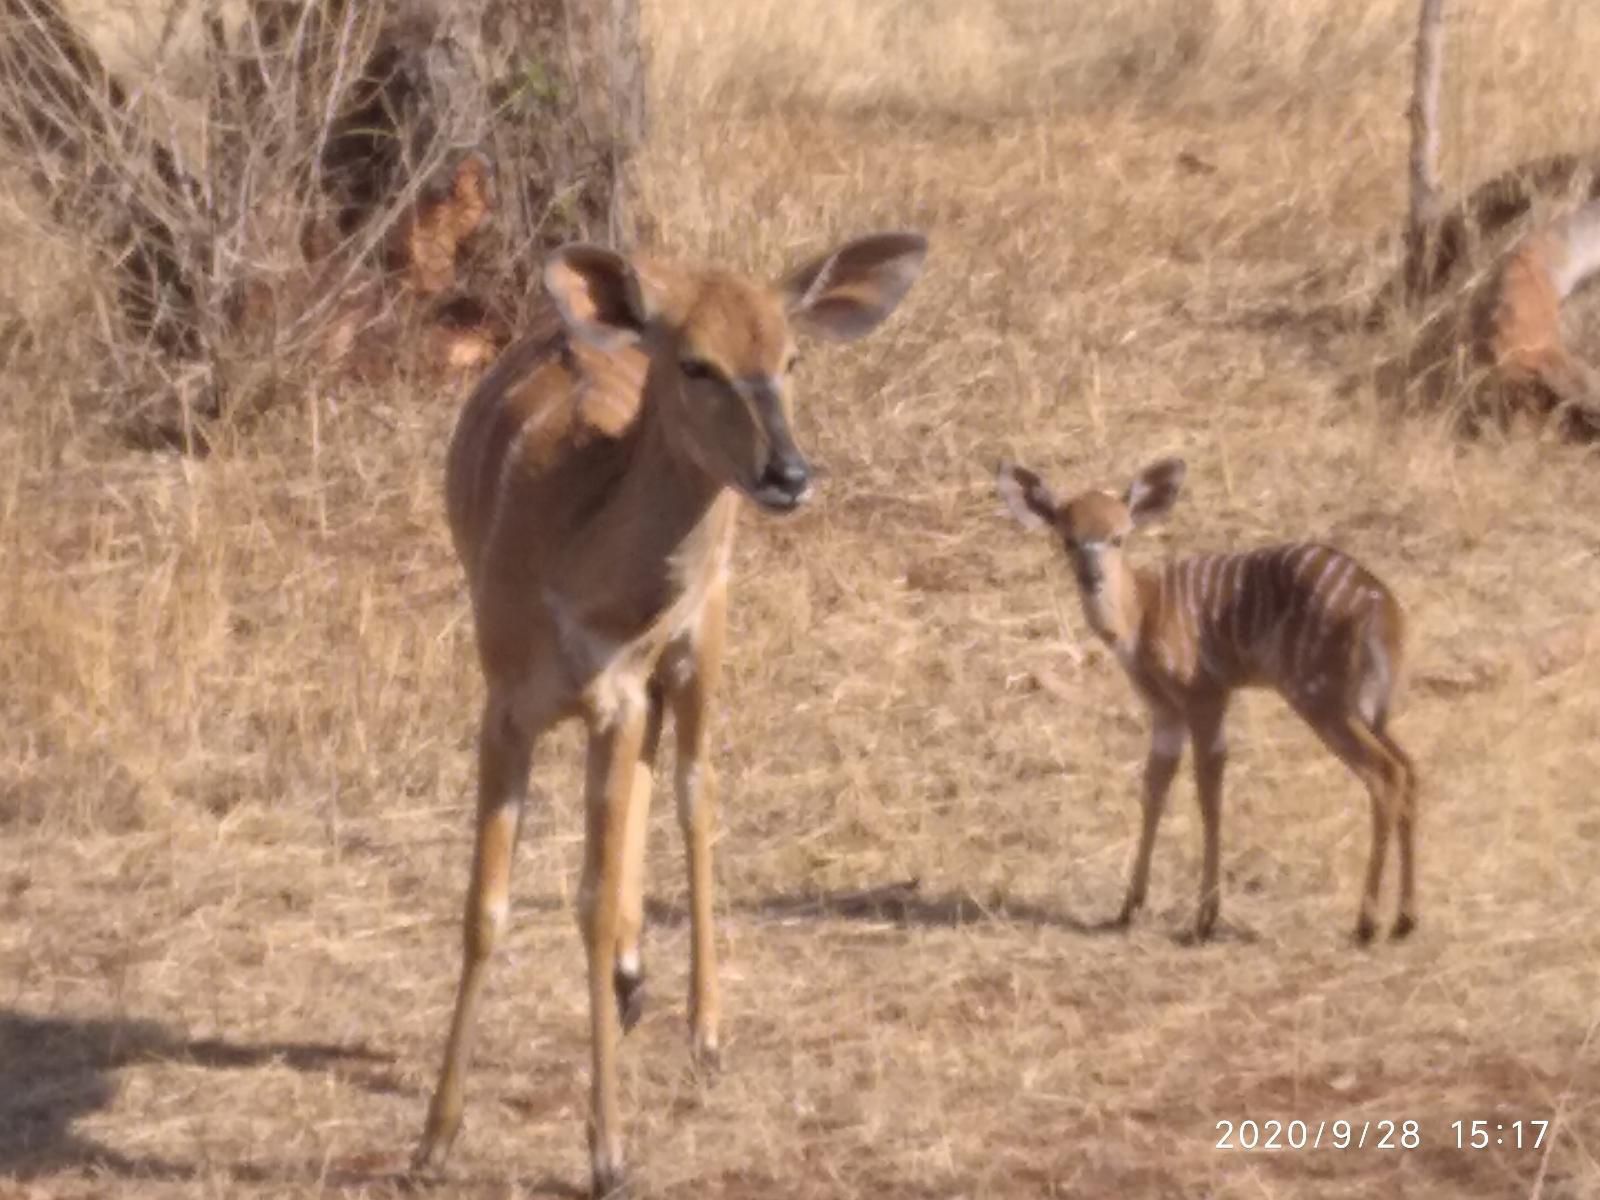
(293,186)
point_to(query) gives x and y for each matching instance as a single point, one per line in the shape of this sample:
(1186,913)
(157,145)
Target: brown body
(593,484)
(1305,620)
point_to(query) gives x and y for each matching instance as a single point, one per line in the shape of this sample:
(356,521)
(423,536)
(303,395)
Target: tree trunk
(1423,216)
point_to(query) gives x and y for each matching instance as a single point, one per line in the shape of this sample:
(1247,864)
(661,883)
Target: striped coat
(1304,619)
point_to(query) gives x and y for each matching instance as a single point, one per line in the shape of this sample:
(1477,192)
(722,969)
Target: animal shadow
(56,1070)
(902,904)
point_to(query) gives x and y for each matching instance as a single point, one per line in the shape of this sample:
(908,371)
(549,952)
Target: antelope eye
(792,363)
(697,368)
(1115,540)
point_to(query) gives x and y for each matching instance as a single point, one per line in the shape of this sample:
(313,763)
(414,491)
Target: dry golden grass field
(239,697)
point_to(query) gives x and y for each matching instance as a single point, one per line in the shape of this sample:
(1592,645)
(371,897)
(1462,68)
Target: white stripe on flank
(1210,589)
(1180,604)
(1219,606)
(1260,584)
(1329,610)
(1191,611)
(1302,554)
(1315,621)
(1346,572)
(1162,625)
(1236,598)
(1331,560)
(1284,629)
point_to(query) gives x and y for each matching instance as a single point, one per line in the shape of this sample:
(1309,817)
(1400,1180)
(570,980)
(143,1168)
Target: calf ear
(1155,490)
(598,294)
(848,292)
(1026,496)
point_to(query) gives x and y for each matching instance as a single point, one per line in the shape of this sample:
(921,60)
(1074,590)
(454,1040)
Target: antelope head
(721,347)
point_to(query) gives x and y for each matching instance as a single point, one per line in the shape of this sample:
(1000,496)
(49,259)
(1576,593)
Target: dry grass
(239,700)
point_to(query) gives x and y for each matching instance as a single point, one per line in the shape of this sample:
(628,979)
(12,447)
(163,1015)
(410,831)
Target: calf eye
(1115,540)
(697,368)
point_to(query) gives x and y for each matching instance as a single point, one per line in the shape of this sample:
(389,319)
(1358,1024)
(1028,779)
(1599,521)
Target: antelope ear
(848,292)
(1025,494)
(598,294)
(1155,490)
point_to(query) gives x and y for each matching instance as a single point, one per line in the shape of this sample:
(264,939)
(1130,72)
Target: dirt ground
(239,694)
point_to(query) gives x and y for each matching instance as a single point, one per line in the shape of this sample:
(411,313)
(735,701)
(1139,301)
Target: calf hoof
(1403,925)
(607,1177)
(1366,928)
(430,1155)
(629,989)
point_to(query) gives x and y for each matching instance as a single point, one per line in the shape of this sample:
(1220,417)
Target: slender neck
(665,526)
(1115,611)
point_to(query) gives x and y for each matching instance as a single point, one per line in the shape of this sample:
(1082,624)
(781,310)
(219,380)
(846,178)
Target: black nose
(788,474)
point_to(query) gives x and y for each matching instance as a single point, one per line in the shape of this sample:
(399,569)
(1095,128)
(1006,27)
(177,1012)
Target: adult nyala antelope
(1303,619)
(593,484)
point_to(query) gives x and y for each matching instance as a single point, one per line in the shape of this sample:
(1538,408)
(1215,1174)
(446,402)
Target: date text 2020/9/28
(1339,1134)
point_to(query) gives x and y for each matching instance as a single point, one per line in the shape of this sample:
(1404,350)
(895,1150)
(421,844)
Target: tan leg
(1406,818)
(504,753)
(1210,758)
(1384,775)
(696,796)
(613,763)
(1166,748)
(628,977)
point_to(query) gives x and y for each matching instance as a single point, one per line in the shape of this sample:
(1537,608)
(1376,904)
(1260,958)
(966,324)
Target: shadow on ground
(902,903)
(56,1070)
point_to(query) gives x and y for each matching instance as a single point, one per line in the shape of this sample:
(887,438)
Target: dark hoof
(629,990)
(1403,925)
(1366,928)
(438,1135)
